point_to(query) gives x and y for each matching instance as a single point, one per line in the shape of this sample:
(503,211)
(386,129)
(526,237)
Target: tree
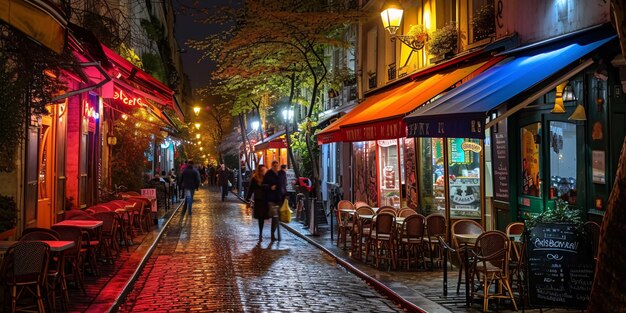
(280,38)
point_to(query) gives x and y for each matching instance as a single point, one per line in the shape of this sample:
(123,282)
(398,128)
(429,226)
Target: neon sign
(90,112)
(120,95)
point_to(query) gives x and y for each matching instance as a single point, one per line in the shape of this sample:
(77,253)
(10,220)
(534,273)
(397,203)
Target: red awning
(131,79)
(277,143)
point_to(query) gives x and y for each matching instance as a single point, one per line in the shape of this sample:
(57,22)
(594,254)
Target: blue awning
(462,112)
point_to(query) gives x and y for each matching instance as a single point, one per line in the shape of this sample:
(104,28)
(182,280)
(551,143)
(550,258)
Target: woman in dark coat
(260,210)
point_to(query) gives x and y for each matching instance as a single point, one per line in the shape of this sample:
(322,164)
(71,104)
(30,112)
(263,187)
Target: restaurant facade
(65,158)
(548,98)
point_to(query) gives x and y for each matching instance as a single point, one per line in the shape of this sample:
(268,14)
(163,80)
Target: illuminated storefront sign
(90,112)
(126,99)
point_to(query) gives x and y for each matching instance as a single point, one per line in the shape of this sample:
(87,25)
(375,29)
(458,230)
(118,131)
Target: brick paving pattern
(213,261)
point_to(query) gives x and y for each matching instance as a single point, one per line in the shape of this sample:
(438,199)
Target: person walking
(260,210)
(223,178)
(190,180)
(272,185)
(282,176)
(211,173)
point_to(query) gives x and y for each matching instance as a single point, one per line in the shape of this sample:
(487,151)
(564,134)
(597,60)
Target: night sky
(187,28)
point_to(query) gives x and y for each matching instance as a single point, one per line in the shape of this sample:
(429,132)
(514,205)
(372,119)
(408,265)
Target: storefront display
(389,173)
(365,188)
(563,161)
(464,178)
(410,176)
(431,176)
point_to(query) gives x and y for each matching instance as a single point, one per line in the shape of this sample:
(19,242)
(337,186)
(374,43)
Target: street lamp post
(288,116)
(196,110)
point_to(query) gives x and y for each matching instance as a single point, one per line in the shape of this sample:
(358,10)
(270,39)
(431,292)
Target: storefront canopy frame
(41,20)
(463,111)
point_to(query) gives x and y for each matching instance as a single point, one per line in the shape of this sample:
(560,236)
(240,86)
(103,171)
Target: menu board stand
(559,266)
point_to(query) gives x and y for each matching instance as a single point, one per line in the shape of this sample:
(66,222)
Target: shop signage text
(388,130)
(471,146)
(127,100)
(90,112)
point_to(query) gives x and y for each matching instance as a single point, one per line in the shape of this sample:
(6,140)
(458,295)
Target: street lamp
(287,114)
(391,16)
(197,125)
(196,110)
(197,136)
(255,125)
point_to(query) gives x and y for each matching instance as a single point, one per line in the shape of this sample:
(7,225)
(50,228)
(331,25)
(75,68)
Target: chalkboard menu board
(500,159)
(560,266)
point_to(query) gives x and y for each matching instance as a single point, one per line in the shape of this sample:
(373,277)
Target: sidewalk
(103,292)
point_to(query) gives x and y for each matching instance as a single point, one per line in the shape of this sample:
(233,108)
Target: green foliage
(484,22)
(8,213)
(129,161)
(561,213)
(25,89)
(444,40)
(299,147)
(153,65)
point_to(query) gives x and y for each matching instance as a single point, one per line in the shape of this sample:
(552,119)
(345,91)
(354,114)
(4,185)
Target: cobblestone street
(213,261)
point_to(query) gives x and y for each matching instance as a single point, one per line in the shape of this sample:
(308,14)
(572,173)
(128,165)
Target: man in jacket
(190,180)
(223,178)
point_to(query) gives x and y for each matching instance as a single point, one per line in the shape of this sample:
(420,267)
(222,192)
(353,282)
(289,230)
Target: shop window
(531,139)
(562,146)
(389,173)
(464,174)
(431,176)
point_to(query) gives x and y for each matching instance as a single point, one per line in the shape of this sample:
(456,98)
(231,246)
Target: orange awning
(276,143)
(332,132)
(42,20)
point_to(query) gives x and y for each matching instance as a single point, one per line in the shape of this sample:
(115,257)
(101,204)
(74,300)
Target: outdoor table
(469,239)
(55,245)
(84,224)
(400,220)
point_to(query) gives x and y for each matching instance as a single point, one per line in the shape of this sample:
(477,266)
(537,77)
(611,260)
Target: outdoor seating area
(490,264)
(46,267)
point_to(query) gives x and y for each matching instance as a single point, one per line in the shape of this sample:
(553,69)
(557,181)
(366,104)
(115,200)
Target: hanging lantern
(559,107)
(579,114)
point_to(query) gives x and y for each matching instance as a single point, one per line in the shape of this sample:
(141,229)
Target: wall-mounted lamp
(568,93)
(579,114)
(196,110)
(111,140)
(559,107)
(391,16)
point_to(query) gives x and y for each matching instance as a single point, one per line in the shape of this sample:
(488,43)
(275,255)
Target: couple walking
(269,189)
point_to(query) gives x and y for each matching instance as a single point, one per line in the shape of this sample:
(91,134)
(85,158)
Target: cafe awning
(384,120)
(41,20)
(332,132)
(275,141)
(463,111)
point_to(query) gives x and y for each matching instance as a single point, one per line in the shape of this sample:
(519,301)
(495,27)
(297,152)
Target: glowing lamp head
(196,110)
(197,125)
(256,125)
(197,136)
(392,16)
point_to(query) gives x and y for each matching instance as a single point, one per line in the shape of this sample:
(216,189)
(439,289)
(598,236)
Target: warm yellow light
(196,110)
(197,125)
(197,136)
(199,142)
(427,18)
(392,16)
(201,149)
(124,116)
(150,119)
(137,124)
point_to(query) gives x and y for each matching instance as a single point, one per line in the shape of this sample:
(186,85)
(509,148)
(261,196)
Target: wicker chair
(71,214)
(405,212)
(344,222)
(100,208)
(412,239)
(382,239)
(40,230)
(108,234)
(25,268)
(360,230)
(492,266)
(463,227)
(435,228)
(387,209)
(359,204)
(76,255)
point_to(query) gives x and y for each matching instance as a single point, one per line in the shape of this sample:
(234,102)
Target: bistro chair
(40,230)
(25,268)
(405,212)
(463,227)
(360,230)
(76,255)
(412,240)
(359,204)
(382,239)
(344,222)
(593,230)
(87,217)
(100,208)
(39,236)
(108,234)
(435,227)
(144,212)
(515,229)
(492,266)
(124,227)
(71,214)
(387,209)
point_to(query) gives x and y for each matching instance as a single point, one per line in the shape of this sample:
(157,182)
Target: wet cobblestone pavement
(213,261)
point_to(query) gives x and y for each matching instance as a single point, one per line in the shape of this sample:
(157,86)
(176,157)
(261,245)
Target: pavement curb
(131,282)
(380,287)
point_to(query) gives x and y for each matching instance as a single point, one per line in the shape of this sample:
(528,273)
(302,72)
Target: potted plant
(483,22)
(444,41)
(8,217)
(561,213)
(418,35)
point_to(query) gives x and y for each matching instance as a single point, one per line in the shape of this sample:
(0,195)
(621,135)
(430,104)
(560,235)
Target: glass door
(464,174)
(389,177)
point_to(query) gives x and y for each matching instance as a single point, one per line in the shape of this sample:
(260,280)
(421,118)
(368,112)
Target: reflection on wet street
(212,261)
